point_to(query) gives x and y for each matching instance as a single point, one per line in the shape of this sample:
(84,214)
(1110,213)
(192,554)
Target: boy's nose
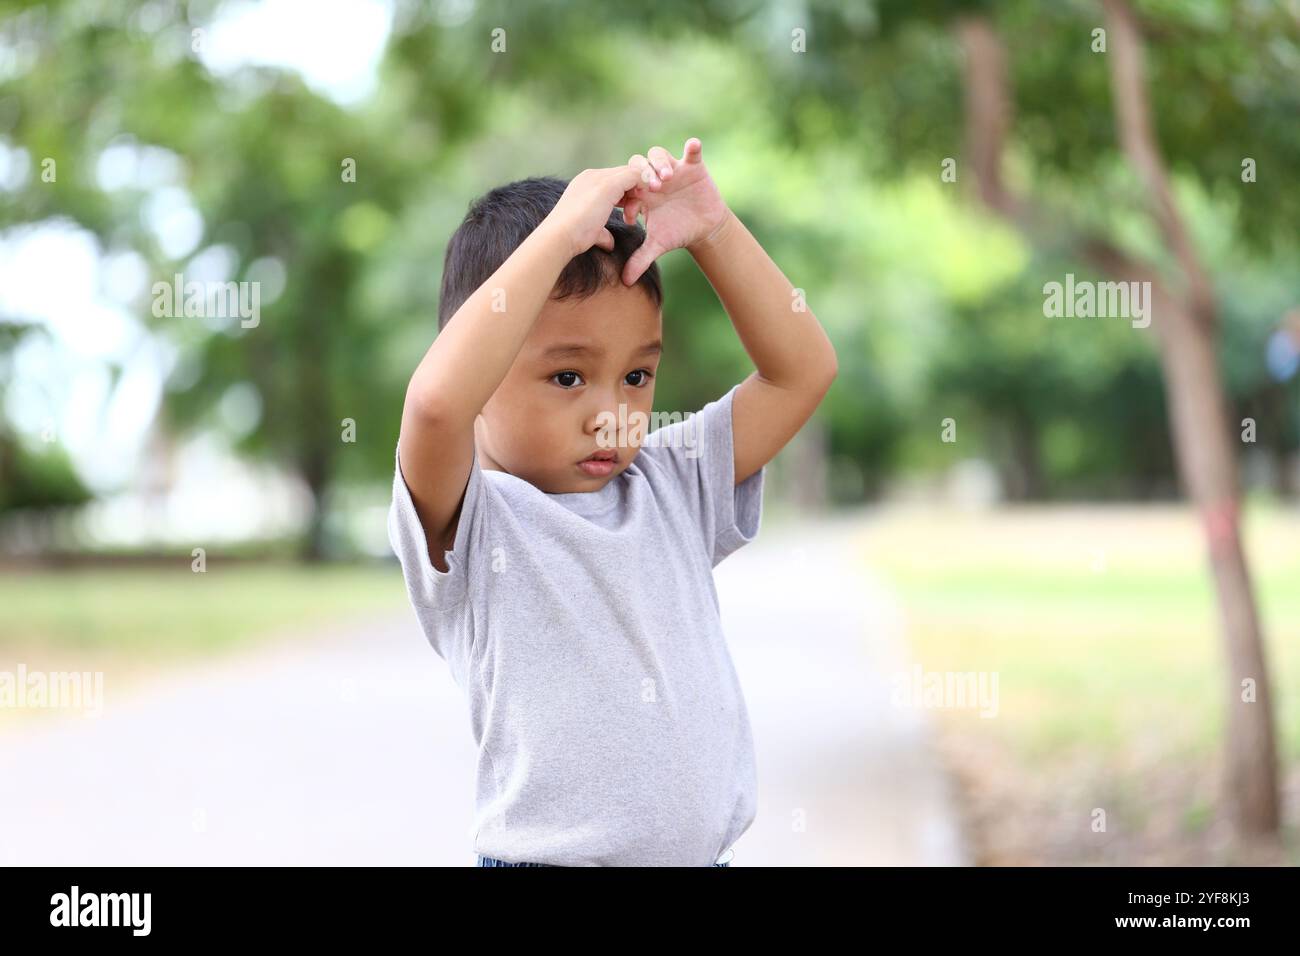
(603,417)
(597,417)
(602,404)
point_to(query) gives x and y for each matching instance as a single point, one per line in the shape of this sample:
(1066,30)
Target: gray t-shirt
(584,630)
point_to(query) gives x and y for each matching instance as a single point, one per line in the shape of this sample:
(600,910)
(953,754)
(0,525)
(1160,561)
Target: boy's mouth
(600,463)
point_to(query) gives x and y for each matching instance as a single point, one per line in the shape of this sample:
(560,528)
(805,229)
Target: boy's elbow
(817,376)
(418,402)
(426,407)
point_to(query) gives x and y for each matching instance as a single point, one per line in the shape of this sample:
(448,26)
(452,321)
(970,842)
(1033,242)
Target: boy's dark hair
(499,220)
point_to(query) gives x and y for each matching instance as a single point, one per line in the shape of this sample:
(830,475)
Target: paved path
(354,747)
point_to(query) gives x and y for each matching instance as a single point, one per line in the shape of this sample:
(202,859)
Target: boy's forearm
(783,338)
(474,351)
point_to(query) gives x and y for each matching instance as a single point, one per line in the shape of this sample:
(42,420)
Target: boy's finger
(661,160)
(630,203)
(648,175)
(626,177)
(639,262)
(606,240)
(692,151)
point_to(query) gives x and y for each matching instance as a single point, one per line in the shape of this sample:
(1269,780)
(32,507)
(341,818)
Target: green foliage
(831,156)
(37,480)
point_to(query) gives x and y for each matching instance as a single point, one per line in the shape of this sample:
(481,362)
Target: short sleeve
(697,456)
(426,585)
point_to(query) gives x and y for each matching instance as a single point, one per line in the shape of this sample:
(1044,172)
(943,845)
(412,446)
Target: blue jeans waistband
(493,861)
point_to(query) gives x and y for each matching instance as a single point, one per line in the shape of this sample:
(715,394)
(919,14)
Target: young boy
(559,557)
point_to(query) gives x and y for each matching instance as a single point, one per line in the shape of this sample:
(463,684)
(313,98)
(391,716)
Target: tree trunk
(1207,461)
(313,542)
(1198,407)
(317,425)
(1185,329)
(1025,476)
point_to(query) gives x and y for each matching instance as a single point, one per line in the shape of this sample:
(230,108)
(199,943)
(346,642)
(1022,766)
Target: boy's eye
(645,374)
(564,374)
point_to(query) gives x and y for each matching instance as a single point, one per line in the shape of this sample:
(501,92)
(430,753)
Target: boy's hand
(580,215)
(682,205)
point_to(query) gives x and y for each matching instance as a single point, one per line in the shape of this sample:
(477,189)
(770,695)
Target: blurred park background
(920,170)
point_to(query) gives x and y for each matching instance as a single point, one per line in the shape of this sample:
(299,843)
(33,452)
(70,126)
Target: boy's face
(555,408)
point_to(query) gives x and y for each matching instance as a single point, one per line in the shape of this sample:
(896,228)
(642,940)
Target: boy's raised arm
(474,351)
(795,360)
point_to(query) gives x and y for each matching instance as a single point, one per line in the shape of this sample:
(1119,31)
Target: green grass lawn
(1102,628)
(159,613)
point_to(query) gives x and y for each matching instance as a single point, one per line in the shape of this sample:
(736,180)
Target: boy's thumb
(640,261)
